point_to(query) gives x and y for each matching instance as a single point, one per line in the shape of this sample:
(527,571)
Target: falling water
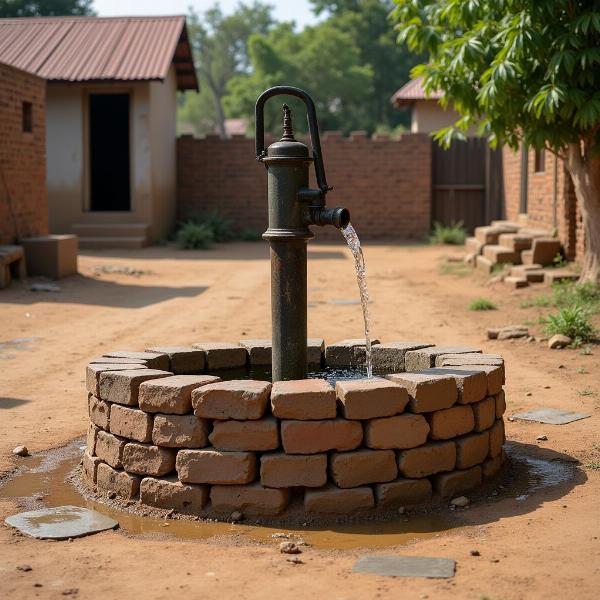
(361,276)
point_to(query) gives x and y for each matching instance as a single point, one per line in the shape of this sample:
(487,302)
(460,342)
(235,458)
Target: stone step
(497,255)
(116,230)
(488,235)
(543,252)
(555,275)
(516,282)
(112,242)
(515,241)
(535,232)
(483,264)
(508,226)
(473,246)
(532,273)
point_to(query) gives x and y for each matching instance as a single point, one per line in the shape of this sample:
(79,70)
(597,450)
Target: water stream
(361,276)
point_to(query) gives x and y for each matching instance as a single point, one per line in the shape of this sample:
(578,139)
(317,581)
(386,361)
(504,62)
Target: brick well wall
(23,204)
(386,184)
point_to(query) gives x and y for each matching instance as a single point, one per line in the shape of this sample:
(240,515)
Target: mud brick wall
(166,432)
(23,205)
(385,183)
(540,199)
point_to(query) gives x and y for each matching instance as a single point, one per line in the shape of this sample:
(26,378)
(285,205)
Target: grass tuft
(482,304)
(454,234)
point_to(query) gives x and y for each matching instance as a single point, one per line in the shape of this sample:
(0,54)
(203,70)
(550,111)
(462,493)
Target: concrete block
(352,469)
(122,387)
(516,242)
(279,470)
(403,492)
(146,459)
(472,449)
(52,256)
(171,395)
(259,351)
(235,399)
(497,438)
(495,376)
(471,385)
(492,466)
(370,398)
(552,276)
(473,246)
(122,483)
(99,412)
(303,399)
(500,399)
(426,460)
(183,360)
(153,360)
(214,466)
(315,352)
(450,485)
(544,250)
(172,494)
(389,357)
(89,467)
(90,442)
(451,422)
(488,235)
(335,500)
(427,391)
(484,413)
(130,423)
(110,449)
(93,371)
(516,282)
(258,435)
(416,360)
(498,255)
(180,431)
(463,360)
(312,437)
(222,356)
(399,432)
(347,353)
(251,500)
(483,264)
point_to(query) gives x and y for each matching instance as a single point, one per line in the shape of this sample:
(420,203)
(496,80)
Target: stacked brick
(527,251)
(172,431)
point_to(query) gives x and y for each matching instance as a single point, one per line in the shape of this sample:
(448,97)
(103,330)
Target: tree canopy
(45,8)
(526,71)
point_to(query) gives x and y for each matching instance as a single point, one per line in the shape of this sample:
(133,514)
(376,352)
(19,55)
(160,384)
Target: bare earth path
(547,546)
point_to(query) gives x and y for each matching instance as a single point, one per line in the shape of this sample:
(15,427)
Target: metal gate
(466,183)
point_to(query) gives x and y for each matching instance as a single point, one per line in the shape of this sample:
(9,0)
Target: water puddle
(361,276)
(42,483)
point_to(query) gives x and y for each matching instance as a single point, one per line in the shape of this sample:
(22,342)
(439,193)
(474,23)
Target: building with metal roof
(111,93)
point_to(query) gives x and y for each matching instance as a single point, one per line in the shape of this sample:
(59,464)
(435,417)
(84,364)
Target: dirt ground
(546,546)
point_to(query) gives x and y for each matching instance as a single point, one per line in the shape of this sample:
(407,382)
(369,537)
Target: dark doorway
(109,152)
(467,183)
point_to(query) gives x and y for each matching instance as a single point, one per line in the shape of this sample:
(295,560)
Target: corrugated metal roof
(99,48)
(411,91)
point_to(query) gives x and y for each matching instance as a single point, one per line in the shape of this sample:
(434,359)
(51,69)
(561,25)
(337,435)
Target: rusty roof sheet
(99,48)
(413,90)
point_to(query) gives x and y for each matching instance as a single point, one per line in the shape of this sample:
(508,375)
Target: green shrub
(455,233)
(559,261)
(194,236)
(250,235)
(572,321)
(482,304)
(571,293)
(222,227)
(539,301)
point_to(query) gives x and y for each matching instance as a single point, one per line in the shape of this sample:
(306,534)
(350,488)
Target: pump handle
(311,115)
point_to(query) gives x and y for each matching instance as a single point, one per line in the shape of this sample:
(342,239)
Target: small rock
(236,516)
(281,535)
(24,568)
(460,501)
(529,394)
(475,553)
(401,510)
(70,592)
(112,495)
(295,560)
(561,366)
(541,438)
(44,287)
(556,342)
(289,548)
(20,451)
(38,585)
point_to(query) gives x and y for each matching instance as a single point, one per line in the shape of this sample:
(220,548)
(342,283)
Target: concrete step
(473,246)
(534,232)
(112,242)
(106,230)
(488,235)
(543,251)
(516,282)
(508,226)
(555,275)
(533,273)
(483,264)
(515,241)
(497,255)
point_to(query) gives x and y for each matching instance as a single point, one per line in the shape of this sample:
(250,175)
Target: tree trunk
(220,115)
(585,173)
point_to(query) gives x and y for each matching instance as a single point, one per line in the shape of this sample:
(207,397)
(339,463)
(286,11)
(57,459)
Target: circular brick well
(171,429)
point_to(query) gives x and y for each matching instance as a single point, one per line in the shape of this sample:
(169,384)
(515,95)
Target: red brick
(146,459)
(252,500)
(352,469)
(370,398)
(172,494)
(281,470)
(180,431)
(110,449)
(500,401)
(449,485)
(303,399)
(222,355)
(497,438)
(125,485)
(183,360)
(89,465)
(400,432)
(471,385)
(153,360)
(214,466)
(338,501)
(312,437)
(403,492)
(99,412)
(484,413)
(93,371)
(122,387)
(236,399)
(472,449)
(427,391)
(431,458)
(449,423)
(171,395)
(131,423)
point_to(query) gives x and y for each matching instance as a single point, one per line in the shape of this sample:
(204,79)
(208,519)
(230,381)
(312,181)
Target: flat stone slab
(552,416)
(60,523)
(406,566)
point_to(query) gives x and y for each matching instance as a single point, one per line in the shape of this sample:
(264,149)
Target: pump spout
(320,215)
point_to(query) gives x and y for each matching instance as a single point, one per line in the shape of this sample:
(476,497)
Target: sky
(284,10)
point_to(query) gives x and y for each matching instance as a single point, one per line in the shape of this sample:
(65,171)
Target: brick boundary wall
(23,203)
(540,209)
(166,432)
(385,183)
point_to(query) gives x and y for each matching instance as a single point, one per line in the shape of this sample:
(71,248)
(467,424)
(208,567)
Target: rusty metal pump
(293,207)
